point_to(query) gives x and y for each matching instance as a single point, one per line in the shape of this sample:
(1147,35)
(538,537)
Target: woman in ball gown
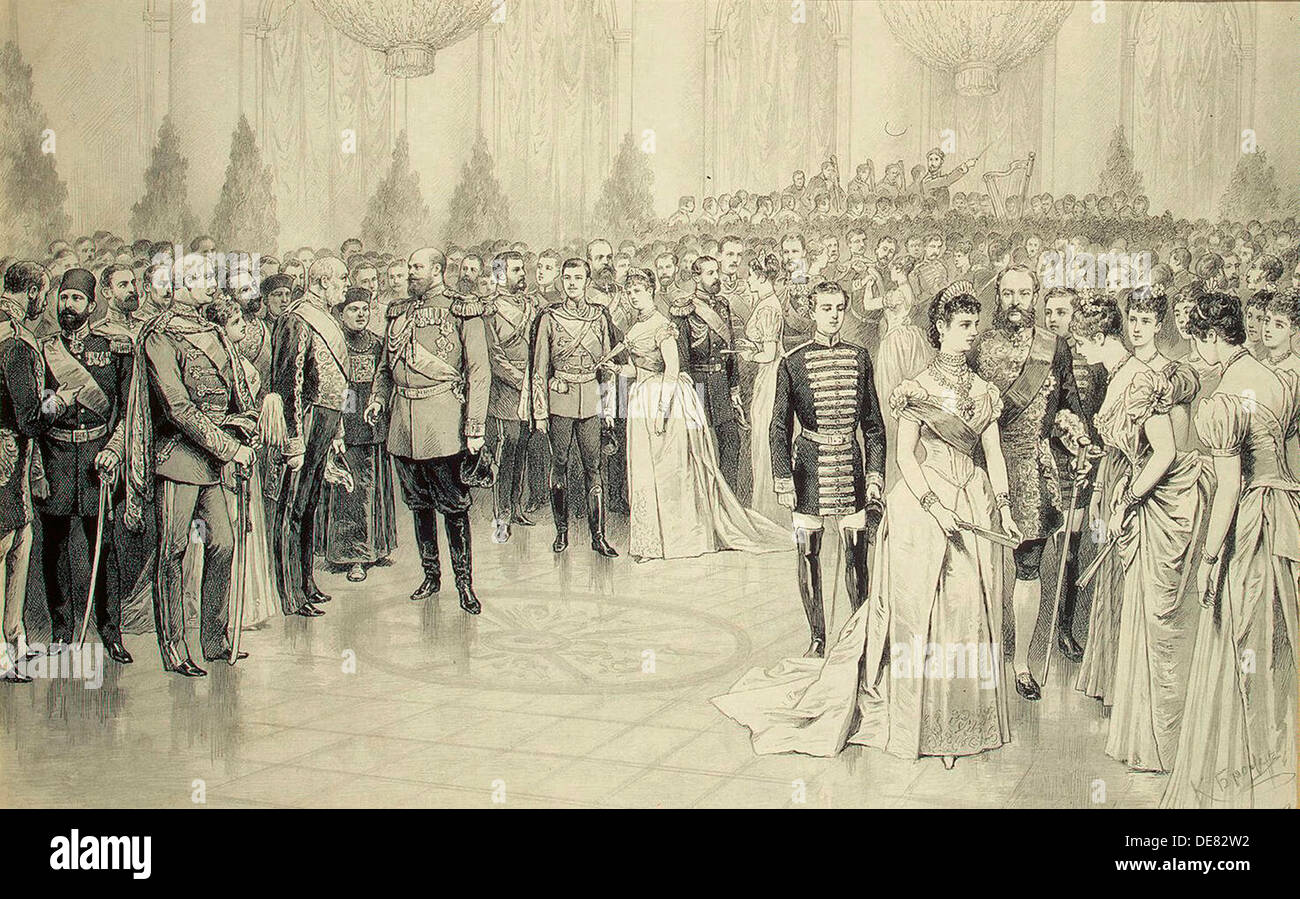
(918,670)
(763,331)
(1153,505)
(903,349)
(1238,746)
(1100,656)
(680,504)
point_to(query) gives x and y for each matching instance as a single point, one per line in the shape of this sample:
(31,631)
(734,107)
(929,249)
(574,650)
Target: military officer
(836,465)
(706,336)
(573,397)
(121,301)
(434,381)
(508,329)
(1041,412)
(605,289)
(22,387)
(188,414)
(1059,306)
(308,371)
(82,452)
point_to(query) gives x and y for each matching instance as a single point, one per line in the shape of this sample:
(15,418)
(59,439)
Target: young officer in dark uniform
(706,336)
(836,466)
(82,450)
(433,382)
(509,326)
(1059,306)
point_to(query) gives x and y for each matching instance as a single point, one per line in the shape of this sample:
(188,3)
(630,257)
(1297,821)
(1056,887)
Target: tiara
(956,288)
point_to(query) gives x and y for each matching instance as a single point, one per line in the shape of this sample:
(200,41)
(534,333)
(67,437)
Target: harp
(1011,184)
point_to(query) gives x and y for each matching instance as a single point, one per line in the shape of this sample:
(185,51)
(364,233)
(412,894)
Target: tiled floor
(585,682)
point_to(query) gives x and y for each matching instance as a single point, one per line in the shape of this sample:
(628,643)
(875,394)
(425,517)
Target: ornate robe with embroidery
(1034,371)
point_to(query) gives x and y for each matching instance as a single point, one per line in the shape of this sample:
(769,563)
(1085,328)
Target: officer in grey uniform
(433,382)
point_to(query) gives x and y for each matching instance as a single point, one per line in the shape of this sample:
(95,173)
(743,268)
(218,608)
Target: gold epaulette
(467,307)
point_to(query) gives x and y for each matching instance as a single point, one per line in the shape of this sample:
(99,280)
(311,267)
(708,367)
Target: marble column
(489,87)
(620,122)
(1126,85)
(252,39)
(156,71)
(709,159)
(843,104)
(1246,82)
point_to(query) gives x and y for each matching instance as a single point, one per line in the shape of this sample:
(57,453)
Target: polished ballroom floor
(585,682)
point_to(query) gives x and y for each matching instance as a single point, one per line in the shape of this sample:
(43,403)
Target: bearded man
(121,300)
(309,372)
(706,337)
(1034,371)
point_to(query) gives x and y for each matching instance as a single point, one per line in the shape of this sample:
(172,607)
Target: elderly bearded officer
(434,379)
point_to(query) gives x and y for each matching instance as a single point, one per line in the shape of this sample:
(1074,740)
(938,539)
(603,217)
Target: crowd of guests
(1026,373)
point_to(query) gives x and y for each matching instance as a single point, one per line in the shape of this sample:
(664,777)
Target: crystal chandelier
(974,41)
(408,32)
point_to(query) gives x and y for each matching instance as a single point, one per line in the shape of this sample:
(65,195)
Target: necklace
(951,370)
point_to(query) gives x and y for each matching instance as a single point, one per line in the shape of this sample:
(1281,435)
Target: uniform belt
(420,393)
(80,435)
(575,377)
(709,367)
(838,438)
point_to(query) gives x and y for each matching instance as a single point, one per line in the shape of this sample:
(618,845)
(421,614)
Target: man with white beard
(308,371)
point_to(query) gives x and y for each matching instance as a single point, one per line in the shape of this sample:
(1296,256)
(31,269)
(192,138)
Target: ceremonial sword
(94,565)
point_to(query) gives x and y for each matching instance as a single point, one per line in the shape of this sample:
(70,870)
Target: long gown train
(918,670)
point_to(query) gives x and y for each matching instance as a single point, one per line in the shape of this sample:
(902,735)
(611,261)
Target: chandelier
(974,41)
(408,32)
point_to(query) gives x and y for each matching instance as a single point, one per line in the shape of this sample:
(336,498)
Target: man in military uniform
(548,292)
(121,301)
(1059,305)
(82,452)
(1034,370)
(573,397)
(308,371)
(434,379)
(836,465)
(706,337)
(26,285)
(508,329)
(188,415)
(605,289)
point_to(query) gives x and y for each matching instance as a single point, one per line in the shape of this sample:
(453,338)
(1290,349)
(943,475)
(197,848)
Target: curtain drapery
(1186,73)
(555,63)
(319,84)
(776,82)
